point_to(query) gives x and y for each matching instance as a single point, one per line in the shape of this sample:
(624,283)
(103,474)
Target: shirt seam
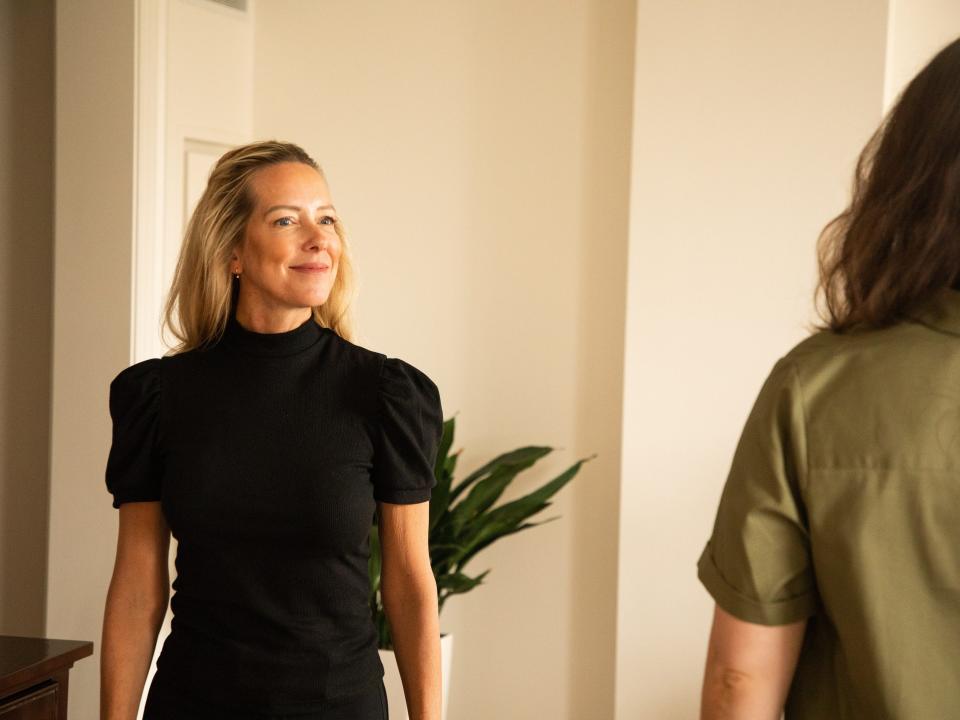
(884,468)
(801,476)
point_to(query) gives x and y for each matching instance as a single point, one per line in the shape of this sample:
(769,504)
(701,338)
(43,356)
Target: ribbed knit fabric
(268,453)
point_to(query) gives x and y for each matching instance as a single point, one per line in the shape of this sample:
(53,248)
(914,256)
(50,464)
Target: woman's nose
(314,231)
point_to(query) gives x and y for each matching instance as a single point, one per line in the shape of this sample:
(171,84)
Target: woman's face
(290,252)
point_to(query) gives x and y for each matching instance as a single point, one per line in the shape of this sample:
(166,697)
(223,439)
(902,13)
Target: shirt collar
(289,342)
(941,312)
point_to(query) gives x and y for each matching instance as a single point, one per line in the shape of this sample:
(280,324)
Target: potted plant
(463,522)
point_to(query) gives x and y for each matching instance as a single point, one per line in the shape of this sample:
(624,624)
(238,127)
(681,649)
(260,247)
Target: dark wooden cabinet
(34,676)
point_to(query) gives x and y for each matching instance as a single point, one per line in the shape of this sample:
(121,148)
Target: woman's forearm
(415,629)
(129,638)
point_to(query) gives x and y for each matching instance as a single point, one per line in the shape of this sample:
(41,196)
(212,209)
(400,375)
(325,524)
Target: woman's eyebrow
(294,207)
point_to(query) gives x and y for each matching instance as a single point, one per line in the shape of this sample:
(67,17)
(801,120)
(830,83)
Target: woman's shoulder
(405,388)
(826,352)
(396,372)
(391,372)
(835,376)
(136,389)
(139,376)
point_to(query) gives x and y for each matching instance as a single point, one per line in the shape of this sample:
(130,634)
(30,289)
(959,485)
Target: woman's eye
(324,220)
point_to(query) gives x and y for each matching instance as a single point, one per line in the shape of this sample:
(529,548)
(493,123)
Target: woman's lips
(311,268)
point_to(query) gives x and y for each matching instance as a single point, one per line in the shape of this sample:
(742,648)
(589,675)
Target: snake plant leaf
(443,471)
(491,525)
(499,521)
(486,491)
(519,508)
(493,537)
(451,463)
(508,458)
(460,583)
(373,566)
(440,554)
(440,497)
(444,546)
(443,449)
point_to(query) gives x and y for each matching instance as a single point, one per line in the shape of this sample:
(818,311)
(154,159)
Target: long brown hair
(898,242)
(201,295)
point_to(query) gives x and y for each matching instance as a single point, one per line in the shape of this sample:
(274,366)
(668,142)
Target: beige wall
(477,152)
(26,252)
(917,29)
(92,337)
(747,125)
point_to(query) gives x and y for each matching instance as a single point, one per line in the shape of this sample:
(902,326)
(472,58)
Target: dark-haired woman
(266,443)
(835,556)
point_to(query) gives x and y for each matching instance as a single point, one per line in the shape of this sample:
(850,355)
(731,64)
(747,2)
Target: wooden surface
(34,676)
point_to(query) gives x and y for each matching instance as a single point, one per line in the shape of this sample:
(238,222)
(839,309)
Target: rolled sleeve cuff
(779,612)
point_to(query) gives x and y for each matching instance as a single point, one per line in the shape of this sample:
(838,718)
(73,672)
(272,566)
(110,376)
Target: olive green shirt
(842,505)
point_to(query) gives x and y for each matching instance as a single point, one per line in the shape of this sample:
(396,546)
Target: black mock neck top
(268,453)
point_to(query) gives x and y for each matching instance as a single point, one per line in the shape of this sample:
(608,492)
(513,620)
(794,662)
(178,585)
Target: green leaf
(373,566)
(441,554)
(488,528)
(443,471)
(486,491)
(460,583)
(502,520)
(451,463)
(443,449)
(463,559)
(520,455)
(519,507)
(440,497)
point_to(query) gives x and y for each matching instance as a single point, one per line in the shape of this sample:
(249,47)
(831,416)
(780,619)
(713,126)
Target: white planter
(391,679)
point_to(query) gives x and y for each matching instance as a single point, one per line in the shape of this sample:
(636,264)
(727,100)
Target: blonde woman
(266,442)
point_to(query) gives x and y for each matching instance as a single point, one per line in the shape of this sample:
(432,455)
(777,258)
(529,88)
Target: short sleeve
(134,469)
(409,426)
(757,564)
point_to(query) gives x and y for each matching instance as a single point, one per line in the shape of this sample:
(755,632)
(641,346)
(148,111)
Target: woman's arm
(409,593)
(749,668)
(135,608)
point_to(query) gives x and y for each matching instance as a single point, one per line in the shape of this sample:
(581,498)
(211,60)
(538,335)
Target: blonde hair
(202,294)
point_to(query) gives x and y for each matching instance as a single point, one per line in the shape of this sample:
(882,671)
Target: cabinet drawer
(36,703)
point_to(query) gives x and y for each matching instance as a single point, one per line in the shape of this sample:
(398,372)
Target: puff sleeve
(409,426)
(758,564)
(134,469)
